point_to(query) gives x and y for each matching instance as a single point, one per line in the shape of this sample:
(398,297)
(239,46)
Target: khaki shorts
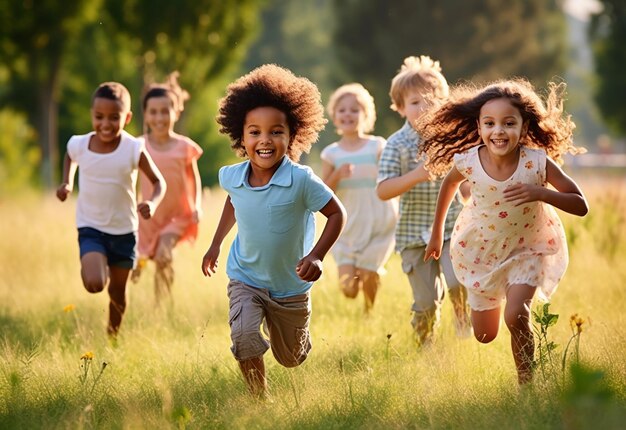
(427,278)
(287,323)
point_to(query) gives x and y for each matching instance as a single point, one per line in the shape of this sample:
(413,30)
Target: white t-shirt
(107,199)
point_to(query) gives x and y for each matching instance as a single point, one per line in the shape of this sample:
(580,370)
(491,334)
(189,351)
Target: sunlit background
(52,57)
(172,367)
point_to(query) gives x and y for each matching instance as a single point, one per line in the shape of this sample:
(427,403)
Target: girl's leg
(94,271)
(517,318)
(164,274)
(371,283)
(117,296)
(486,324)
(348,280)
(253,371)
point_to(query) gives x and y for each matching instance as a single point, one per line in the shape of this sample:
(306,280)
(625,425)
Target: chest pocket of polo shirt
(282,217)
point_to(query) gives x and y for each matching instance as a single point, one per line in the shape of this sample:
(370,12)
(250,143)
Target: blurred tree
(608,33)
(138,42)
(473,39)
(131,41)
(302,45)
(33,43)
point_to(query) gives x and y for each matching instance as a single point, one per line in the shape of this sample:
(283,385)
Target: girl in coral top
(176,219)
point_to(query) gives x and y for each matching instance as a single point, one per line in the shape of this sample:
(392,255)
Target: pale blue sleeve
(317,193)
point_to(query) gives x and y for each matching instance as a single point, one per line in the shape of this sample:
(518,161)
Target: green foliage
(544,347)
(54,54)
(475,39)
(19,155)
(34,39)
(590,401)
(608,31)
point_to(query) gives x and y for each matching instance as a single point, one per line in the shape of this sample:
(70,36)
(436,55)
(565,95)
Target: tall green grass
(173,368)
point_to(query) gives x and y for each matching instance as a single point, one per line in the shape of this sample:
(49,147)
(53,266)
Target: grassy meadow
(173,368)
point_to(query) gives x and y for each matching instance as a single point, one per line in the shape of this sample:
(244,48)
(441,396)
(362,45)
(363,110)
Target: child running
(350,168)
(419,83)
(271,117)
(508,241)
(176,218)
(106,210)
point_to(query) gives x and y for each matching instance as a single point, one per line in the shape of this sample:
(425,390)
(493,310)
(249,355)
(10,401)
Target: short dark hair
(113,91)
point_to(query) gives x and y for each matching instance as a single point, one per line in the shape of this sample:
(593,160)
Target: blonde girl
(176,156)
(350,168)
(508,242)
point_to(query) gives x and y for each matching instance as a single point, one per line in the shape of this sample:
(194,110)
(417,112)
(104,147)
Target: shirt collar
(409,131)
(282,175)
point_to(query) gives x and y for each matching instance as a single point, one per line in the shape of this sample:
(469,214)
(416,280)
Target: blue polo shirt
(275,225)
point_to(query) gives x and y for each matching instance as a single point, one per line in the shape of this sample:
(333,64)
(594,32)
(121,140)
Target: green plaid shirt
(417,206)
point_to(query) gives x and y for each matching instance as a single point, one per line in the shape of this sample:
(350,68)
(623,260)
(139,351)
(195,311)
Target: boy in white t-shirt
(106,210)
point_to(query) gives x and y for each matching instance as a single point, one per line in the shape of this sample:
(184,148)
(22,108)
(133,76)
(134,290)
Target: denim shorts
(120,249)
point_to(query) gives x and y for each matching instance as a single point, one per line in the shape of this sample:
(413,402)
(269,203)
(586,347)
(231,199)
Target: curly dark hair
(273,86)
(452,128)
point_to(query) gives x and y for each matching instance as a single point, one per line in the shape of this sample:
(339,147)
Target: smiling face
(501,127)
(265,139)
(160,116)
(108,119)
(348,115)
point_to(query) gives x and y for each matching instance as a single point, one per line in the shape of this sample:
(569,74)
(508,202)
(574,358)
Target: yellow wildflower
(576,323)
(87,356)
(68,308)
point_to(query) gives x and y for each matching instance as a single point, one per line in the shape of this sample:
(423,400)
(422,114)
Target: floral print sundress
(496,244)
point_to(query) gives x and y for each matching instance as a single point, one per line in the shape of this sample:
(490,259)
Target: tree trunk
(48,126)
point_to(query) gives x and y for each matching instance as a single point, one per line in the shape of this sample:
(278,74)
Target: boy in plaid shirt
(418,83)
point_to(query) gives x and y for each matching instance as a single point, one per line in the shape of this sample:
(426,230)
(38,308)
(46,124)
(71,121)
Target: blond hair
(420,73)
(363,98)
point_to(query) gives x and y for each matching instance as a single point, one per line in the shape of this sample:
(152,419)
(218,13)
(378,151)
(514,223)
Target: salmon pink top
(175,213)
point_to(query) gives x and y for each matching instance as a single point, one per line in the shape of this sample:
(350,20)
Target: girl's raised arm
(449,187)
(568,197)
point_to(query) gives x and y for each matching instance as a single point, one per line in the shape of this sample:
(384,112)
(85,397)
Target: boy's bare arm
(69,171)
(393,187)
(146,165)
(309,268)
(226,223)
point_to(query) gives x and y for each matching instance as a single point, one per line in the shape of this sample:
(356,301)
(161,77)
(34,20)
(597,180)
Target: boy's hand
(146,209)
(63,191)
(309,268)
(209,261)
